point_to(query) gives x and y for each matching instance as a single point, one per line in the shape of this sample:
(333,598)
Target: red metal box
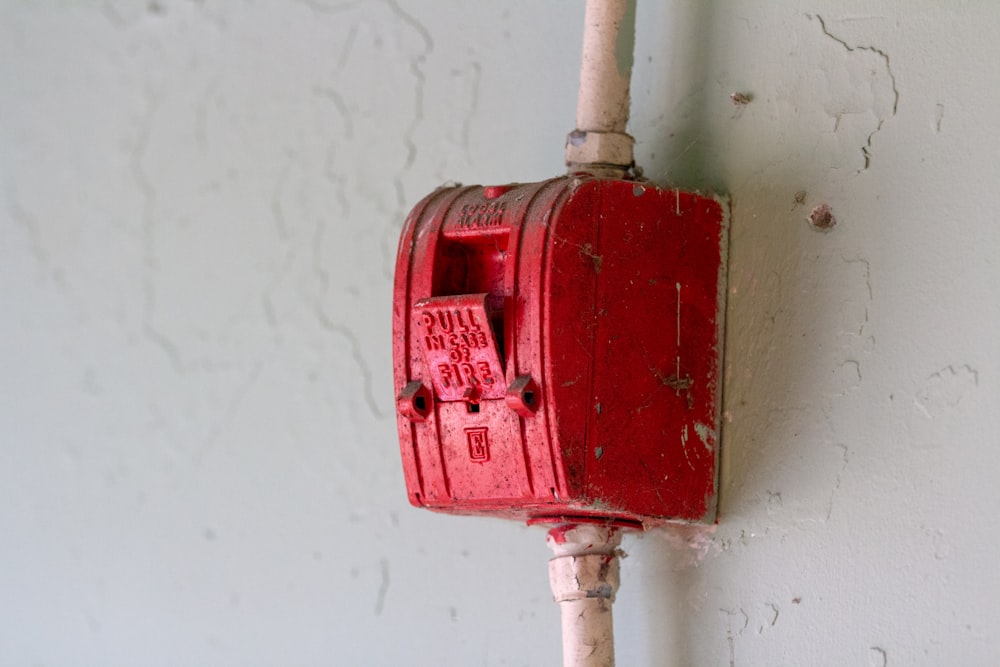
(557,350)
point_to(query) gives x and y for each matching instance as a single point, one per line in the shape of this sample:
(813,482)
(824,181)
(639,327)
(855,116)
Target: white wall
(199,212)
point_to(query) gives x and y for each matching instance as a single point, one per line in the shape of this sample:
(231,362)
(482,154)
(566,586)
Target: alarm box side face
(653,421)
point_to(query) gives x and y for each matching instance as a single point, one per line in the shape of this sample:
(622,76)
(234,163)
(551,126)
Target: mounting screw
(523,396)
(415,401)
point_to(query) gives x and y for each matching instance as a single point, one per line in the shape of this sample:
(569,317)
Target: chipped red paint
(566,338)
(558,532)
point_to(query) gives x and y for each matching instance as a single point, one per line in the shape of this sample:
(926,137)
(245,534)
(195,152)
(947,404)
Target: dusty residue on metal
(601,505)
(676,383)
(587,250)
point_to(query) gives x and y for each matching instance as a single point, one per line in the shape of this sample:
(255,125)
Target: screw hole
(420,403)
(473,407)
(529,398)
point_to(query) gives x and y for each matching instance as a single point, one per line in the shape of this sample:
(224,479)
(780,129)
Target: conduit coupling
(584,575)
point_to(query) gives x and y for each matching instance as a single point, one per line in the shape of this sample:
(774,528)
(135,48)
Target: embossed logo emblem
(479,444)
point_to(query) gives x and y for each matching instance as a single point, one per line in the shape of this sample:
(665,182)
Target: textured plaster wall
(198,215)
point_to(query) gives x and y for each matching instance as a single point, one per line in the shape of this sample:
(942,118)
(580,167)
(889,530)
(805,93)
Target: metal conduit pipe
(599,144)
(584,575)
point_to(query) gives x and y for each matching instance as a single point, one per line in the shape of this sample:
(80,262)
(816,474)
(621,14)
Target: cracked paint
(850,103)
(878,657)
(200,207)
(148,232)
(836,485)
(383,588)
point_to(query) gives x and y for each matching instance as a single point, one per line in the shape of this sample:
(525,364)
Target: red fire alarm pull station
(557,348)
(557,351)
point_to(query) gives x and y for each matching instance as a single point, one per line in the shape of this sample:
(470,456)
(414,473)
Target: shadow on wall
(682,135)
(682,156)
(798,304)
